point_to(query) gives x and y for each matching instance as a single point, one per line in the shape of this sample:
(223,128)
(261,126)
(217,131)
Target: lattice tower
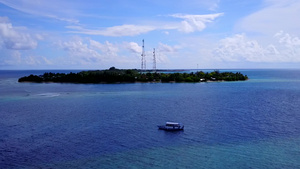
(143,64)
(154,60)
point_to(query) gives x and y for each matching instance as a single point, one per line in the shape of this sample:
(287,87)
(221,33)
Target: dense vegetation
(114,75)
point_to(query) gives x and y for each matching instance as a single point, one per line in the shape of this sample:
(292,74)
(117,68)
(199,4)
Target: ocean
(243,124)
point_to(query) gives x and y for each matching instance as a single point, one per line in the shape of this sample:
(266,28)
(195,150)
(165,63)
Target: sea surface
(244,124)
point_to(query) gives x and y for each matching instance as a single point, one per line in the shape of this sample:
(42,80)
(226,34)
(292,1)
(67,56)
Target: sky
(186,34)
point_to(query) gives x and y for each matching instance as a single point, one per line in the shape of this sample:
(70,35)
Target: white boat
(171,126)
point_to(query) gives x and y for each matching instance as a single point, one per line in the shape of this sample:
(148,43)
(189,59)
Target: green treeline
(114,75)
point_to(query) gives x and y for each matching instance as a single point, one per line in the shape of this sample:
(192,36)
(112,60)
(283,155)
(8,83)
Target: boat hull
(168,128)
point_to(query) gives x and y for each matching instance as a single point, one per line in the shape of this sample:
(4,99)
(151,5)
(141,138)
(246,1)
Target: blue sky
(98,34)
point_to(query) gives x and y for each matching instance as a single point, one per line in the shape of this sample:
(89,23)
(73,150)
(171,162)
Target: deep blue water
(248,124)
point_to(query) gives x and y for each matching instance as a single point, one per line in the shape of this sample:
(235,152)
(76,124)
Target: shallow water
(249,124)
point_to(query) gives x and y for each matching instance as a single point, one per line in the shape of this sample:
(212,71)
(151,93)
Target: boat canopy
(172,124)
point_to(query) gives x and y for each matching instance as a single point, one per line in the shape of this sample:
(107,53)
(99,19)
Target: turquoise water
(250,124)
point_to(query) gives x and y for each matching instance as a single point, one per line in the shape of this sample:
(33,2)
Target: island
(114,75)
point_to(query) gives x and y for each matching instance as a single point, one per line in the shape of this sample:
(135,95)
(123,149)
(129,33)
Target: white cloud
(238,48)
(36,60)
(164,52)
(214,5)
(10,57)
(80,51)
(115,31)
(93,53)
(288,46)
(127,30)
(15,38)
(167,48)
(17,58)
(166,33)
(4,19)
(133,47)
(107,48)
(192,23)
(275,16)
(283,48)
(54,9)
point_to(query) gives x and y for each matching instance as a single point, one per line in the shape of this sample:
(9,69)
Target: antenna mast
(143,64)
(154,60)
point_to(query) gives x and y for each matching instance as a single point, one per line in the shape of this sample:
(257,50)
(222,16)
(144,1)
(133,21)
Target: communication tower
(143,64)
(154,60)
